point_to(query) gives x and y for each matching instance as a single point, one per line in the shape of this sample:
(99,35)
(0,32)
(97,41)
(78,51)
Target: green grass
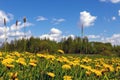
(45,63)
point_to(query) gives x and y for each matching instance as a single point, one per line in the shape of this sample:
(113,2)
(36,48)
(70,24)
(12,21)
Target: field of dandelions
(28,66)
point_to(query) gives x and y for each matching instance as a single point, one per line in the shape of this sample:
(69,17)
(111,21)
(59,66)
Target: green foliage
(106,53)
(69,45)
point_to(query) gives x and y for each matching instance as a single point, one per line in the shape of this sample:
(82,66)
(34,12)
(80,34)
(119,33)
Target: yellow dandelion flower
(97,72)
(110,67)
(50,57)
(86,67)
(7,61)
(13,75)
(17,54)
(117,68)
(104,70)
(88,73)
(33,61)
(0,54)
(67,77)
(33,64)
(41,55)
(61,51)
(63,59)
(16,79)
(66,66)
(21,61)
(10,66)
(51,74)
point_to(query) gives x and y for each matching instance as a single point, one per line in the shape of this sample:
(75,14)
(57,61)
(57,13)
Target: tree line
(68,45)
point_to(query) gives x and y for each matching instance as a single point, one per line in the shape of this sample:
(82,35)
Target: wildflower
(10,66)
(117,68)
(63,59)
(61,51)
(13,76)
(33,61)
(88,73)
(104,70)
(16,79)
(110,67)
(0,54)
(86,60)
(97,72)
(67,77)
(41,55)
(50,57)
(86,67)
(21,61)
(17,54)
(32,64)
(75,62)
(66,66)
(51,74)
(7,61)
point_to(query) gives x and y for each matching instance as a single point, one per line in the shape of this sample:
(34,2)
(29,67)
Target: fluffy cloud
(55,31)
(115,1)
(2,32)
(12,31)
(113,18)
(7,16)
(87,19)
(41,18)
(55,35)
(20,26)
(118,12)
(102,0)
(112,1)
(114,39)
(93,36)
(15,34)
(57,21)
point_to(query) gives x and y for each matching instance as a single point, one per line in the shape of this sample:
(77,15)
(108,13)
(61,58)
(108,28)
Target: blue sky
(56,19)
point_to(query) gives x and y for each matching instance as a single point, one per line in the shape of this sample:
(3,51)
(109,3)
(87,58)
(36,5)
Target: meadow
(29,66)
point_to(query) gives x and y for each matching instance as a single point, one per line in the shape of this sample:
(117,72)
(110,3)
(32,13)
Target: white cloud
(19,35)
(28,34)
(11,34)
(14,27)
(102,0)
(113,18)
(41,18)
(112,1)
(55,31)
(93,36)
(87,19)
(55,35)
(115,1)
(114,39)
(2,37)
(66,37)
(10,30)
(7,16)
(20,26)
(118,12)
(57,21)
(2,32)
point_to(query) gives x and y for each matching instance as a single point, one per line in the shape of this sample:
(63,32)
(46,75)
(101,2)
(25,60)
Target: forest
(69,46)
